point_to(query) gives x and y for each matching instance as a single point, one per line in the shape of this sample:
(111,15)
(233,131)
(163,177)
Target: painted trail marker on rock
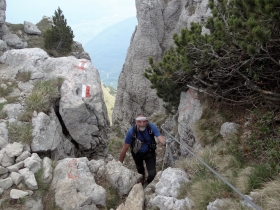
(86,91)
(82,65)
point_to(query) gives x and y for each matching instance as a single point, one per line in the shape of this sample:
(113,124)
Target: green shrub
(60,36)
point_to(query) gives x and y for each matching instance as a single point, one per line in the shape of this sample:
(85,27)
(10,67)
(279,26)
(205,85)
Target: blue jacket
(145,138)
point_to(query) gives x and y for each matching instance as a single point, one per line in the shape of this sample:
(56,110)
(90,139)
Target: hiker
(140,138)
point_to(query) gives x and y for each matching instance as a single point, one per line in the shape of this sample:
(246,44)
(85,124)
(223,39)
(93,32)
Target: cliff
(158,21)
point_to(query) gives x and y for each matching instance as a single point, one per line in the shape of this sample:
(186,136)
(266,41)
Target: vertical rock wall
(158,21)
(2,16)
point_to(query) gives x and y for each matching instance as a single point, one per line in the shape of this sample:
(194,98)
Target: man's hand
(123,152)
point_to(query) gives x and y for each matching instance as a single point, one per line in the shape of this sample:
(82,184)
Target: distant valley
(108,50)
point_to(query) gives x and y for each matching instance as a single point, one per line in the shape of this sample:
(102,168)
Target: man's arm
(161,139)
(123,152)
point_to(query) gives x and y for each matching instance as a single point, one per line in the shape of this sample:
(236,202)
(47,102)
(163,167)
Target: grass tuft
(113,198)
(23,76)
(268,196)
(115,144)
(4,92)
(208,190)
(20,132)
(12,100)
(26,116)
(45,192)
(207,128)
(3,114)
(43,95)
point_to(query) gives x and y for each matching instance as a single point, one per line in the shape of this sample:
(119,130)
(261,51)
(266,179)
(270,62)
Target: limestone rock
(74,185)
(190,110)
(85,118)
(16,167)
(5,160)
(121,177)
(16,194)
(33,163)
(3,135)
(229,128)
(12,110)
(170,182)
(29,178)
(16,177)
(47,170)
(6,183)
(14,149)
(135,199)
(12,40)
(32,204)
(3,170)
(30,28)
(23,156)
(170,203)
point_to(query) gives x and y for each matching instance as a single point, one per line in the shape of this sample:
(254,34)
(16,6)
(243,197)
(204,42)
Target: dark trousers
(150,160)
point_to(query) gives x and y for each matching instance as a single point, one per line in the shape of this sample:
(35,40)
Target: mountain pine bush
(59,38)
(237,62)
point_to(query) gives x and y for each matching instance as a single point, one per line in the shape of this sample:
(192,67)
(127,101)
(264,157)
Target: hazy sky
(85,17)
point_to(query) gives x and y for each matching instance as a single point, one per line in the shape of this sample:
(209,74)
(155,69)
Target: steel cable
(168,140)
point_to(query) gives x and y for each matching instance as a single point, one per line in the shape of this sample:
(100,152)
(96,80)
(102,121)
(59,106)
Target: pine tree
(237,62)
(60,36)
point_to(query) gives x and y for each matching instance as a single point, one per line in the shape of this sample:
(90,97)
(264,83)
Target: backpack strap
(134,133)
(151,132)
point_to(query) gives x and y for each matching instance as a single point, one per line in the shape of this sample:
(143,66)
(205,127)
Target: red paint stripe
(87,91)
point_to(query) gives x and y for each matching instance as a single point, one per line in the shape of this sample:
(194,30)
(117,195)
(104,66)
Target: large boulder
(48,137)
(12,40)
(84,116)
(122,178)
(75,187)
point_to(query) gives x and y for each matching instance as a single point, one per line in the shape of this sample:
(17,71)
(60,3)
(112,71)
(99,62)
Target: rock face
(2,15)
(85,118)
(75,187)
(190,110)
(157,22)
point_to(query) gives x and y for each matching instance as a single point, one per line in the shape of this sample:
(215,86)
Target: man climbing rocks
(140,137)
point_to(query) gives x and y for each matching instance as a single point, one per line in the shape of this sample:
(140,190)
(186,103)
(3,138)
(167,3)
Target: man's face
(141,124)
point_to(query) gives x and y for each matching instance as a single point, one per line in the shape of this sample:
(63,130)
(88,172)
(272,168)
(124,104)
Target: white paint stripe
(85,91)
